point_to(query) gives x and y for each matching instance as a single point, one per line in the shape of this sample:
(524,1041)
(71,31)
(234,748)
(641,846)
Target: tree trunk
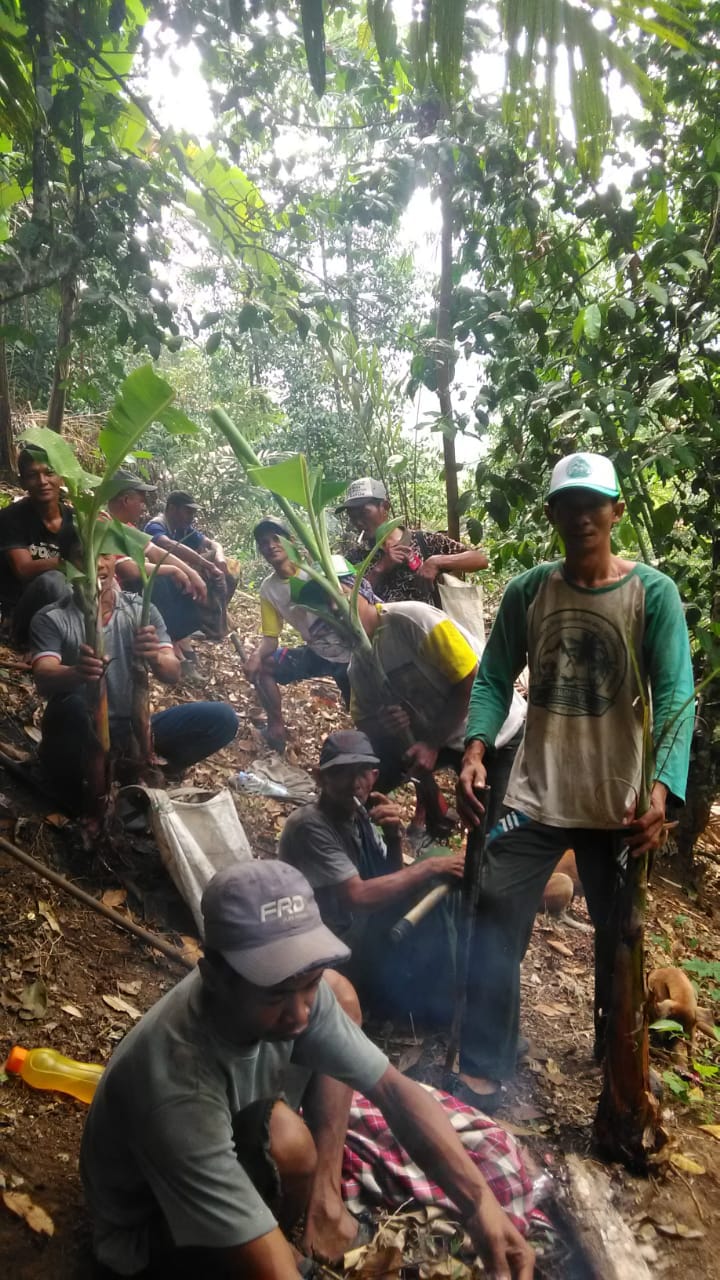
(8,459)
(626,1125)
(443,334)
(66,315)
(41,22)
(350,283)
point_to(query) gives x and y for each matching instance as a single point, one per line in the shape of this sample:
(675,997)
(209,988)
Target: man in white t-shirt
(194,1160)
(271,664)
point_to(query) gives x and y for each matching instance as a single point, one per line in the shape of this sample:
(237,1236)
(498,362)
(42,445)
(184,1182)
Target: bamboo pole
(145,935)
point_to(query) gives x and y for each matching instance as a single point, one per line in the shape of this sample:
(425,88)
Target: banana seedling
(143,398)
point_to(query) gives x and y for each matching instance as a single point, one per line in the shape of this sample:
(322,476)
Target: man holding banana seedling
(325,652)
(64,667)
(607,648)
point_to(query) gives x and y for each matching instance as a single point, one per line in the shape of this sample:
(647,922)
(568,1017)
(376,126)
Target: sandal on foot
(488,1103)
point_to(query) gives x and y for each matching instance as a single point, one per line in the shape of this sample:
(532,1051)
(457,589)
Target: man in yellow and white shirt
(427,664)
(324,653)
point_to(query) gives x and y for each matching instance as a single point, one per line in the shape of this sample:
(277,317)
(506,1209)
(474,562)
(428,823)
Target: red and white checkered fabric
(378,1172)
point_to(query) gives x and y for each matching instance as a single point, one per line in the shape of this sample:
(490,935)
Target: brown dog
(671,995)
(567,866)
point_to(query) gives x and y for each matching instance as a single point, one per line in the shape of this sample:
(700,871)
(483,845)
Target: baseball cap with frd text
(262,917)
(124,480)
(269,524)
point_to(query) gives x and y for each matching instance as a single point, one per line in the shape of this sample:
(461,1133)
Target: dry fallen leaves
(672,1227)
(37,1219)
(120,1005)
(553,1010)
(130,988)
(33,1001)
(114,898)
(190,947)
(56,819)
(559,947)
(686,1164)
(46,911)
(72,1009)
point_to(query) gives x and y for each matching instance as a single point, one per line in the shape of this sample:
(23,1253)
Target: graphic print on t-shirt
(581,663)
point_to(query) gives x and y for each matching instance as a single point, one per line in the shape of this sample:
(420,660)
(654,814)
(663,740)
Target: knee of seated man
(291,1143)
(345,994)
(226,721)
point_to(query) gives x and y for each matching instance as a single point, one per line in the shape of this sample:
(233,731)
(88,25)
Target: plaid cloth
(377,1171)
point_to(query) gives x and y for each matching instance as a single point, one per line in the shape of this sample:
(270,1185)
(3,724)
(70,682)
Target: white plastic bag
(463,603)
(197,832)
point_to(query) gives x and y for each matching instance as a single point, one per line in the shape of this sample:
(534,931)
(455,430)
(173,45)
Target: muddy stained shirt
(424,654)
(580,761)
(158,1143)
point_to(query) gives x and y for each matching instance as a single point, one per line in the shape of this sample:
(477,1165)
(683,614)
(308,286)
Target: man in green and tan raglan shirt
(586,626)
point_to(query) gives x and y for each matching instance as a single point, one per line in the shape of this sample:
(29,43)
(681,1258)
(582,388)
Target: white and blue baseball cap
(584,471)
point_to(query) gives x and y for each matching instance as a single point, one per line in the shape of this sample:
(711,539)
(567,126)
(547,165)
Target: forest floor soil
(60,962)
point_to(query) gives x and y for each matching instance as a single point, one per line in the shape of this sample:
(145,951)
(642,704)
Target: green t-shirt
(591,653)
(158,1140)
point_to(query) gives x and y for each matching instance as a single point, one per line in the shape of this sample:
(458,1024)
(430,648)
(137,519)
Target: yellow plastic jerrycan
(48,1069)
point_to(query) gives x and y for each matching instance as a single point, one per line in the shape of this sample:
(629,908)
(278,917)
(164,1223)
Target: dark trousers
(183,735)
(180,612)
(516,866)
(498,763)
(47,588)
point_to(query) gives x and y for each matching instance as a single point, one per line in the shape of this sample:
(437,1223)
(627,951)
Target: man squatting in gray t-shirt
(194,1159)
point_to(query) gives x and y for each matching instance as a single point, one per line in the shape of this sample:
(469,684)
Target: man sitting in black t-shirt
(30,531)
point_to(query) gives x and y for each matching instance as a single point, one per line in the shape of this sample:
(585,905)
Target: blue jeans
(183,735)
(193,731)
(180,612)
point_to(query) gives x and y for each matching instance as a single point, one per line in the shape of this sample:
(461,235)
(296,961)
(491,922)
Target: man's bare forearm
(420,1124)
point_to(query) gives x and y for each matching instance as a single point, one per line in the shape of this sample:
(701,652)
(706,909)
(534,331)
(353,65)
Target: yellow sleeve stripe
(271,623)
(447,649)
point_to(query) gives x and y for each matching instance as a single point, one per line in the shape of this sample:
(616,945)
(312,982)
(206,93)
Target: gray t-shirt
(330,851)
(158,1139)
(59,630)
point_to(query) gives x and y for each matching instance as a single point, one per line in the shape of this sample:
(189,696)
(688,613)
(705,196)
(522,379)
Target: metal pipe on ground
(145,935)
